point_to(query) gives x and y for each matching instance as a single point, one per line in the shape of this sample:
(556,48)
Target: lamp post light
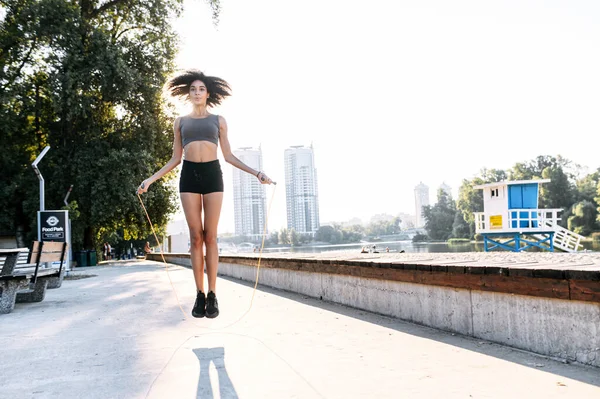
(41,179)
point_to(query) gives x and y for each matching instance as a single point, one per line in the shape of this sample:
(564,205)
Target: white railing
(566,240)
(533,218)
(515,220)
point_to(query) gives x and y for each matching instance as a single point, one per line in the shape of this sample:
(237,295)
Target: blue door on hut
(523,196)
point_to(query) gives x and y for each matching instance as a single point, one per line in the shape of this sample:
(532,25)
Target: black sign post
(54,226)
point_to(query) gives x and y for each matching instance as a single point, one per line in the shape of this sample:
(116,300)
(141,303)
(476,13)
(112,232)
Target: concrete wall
(564,329)
(568,330)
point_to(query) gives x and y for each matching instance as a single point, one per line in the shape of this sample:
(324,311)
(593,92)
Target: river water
(397,246)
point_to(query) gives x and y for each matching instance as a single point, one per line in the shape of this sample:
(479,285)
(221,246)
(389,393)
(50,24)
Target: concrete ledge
(543,312)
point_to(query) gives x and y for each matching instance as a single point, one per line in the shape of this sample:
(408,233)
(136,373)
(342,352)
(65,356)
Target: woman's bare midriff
(200,151)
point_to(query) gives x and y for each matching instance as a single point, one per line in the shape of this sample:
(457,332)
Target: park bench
(23,277)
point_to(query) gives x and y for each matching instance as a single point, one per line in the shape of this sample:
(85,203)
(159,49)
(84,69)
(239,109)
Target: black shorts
(201,177)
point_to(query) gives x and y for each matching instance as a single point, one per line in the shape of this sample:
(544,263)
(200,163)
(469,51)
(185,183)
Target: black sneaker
(212,305)
(199,310)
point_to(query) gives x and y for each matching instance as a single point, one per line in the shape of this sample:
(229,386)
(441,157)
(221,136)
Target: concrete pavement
(120,334)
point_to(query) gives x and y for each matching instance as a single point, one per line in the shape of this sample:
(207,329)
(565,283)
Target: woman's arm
(232,159)
(169,166)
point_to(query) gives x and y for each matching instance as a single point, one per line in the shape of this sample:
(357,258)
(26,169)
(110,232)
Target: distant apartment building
(301,190)
(249,196)
(421,200)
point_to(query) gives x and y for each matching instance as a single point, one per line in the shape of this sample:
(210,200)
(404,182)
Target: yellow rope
(171,281)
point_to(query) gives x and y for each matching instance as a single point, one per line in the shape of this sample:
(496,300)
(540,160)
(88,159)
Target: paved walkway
(121,334)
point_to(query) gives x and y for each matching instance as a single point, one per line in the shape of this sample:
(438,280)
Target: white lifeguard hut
(511,219)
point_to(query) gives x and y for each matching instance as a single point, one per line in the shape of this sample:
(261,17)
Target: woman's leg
(192,208)
(212,212)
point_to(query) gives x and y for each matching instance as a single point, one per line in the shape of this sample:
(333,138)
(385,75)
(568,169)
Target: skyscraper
(421,200)
(249,196)
(301,190)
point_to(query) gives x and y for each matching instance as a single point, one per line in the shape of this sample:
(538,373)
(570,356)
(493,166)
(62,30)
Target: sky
(394,93)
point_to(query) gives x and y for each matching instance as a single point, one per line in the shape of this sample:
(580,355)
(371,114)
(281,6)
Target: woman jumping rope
(196,138)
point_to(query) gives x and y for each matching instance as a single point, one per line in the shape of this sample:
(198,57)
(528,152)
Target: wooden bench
(27,280)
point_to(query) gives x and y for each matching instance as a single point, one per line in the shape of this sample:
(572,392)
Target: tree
(384,227)
(274,237)
(470,200)
(324,233)
(492,175)
(583,220)
(586,187)
(586,190)
(393,226)
(533,169)
(293,237)
(337,234)
(559,192)
(284,237)
(460,228)
(439,218)
(349,235)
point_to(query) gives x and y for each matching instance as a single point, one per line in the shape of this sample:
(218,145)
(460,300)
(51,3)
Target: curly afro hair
(179,86)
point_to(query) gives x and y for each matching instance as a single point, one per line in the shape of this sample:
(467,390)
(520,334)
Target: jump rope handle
(263,179)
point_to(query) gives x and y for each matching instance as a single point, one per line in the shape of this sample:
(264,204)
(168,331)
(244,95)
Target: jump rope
(171,281)
(228,325)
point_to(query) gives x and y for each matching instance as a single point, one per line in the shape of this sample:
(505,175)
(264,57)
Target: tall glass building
(249,196)
(302,194)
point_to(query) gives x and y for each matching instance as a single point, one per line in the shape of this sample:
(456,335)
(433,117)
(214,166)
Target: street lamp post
(41,178)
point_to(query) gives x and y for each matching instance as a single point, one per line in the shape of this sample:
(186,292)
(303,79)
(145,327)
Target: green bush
(420,238)
(478,238)
(458,241)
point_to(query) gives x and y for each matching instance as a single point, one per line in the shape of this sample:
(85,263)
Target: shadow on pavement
(216,356)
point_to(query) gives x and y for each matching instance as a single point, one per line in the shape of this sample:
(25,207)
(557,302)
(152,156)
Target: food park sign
(54,226)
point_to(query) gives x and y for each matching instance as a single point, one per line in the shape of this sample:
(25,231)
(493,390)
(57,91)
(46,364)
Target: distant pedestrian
(196,139)
(105,251)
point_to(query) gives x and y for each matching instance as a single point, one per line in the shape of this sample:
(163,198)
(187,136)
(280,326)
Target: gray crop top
(195,129)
